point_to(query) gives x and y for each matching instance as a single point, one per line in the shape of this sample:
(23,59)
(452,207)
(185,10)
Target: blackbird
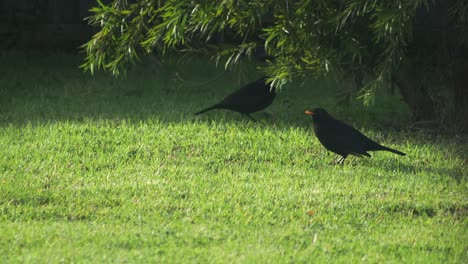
(341,138)
(250,98)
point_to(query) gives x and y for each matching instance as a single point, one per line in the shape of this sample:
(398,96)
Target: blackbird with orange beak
(341,138)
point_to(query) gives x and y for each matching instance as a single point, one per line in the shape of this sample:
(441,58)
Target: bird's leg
(336,161)
(342,159)
(253,119)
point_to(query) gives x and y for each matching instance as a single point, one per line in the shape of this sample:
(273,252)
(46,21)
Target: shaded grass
(99,169)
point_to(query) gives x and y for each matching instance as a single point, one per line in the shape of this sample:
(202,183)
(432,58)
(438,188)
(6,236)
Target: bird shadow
(416,167)
(53,89)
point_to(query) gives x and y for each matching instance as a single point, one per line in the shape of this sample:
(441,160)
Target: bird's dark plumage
(341,138)
(250,98)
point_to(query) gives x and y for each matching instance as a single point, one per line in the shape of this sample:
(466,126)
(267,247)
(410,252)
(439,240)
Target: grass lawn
(99,169)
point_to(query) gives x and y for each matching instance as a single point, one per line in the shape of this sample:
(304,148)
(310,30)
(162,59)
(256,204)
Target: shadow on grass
(457,211)
(49,88)
(419,167)
(41,89)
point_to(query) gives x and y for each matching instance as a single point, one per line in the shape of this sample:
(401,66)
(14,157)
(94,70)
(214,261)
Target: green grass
(97,169)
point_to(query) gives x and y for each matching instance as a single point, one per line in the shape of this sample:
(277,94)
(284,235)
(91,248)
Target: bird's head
(317,114)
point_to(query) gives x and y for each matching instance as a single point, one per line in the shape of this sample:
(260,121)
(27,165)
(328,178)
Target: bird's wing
(248,98)
(360,139)
(345,137)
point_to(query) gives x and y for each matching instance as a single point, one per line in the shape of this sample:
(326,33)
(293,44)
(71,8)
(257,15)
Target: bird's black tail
(392,150)
(207,109)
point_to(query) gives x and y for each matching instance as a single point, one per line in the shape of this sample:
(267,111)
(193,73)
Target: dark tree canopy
(370,41)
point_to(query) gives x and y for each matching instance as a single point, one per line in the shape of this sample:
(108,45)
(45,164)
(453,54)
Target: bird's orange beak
(308,112)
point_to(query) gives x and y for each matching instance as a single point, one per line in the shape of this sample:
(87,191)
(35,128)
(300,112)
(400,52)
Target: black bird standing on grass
(341,138)
(250,98)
